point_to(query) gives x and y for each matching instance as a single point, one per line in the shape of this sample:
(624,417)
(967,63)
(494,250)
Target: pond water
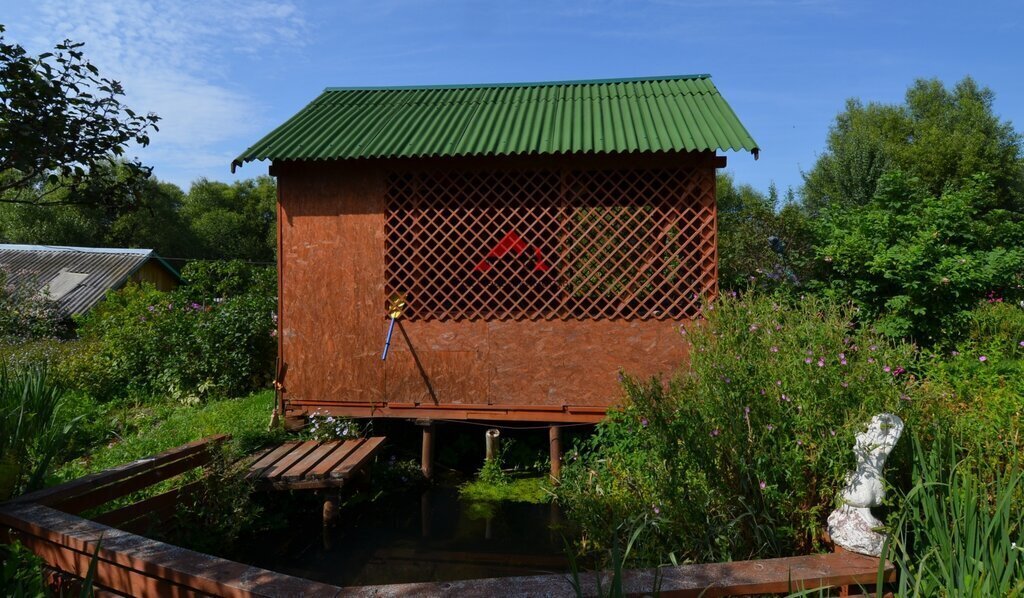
(433,536)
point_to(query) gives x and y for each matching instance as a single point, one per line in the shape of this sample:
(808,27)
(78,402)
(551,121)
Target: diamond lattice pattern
(544,245)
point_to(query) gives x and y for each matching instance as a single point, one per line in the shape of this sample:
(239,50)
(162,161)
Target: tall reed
(957,535)
(33,431)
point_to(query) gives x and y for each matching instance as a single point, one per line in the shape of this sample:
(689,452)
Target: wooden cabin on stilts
(517,246)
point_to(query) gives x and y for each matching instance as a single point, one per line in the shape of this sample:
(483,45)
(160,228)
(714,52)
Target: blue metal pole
(387,341)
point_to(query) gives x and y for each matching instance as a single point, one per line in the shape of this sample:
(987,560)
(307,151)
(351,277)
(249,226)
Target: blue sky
(222,73)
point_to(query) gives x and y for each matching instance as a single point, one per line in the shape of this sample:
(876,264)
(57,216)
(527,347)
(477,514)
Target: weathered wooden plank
(152,505)
(357,459)
(301,467)
(327,465)
(769,576)
(297,454)
(139,566)
(272,457)
(106,493)
(89,483)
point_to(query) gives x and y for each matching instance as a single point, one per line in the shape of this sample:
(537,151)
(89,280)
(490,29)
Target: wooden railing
(48,523)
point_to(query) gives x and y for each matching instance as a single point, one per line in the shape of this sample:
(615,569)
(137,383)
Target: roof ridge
(73,249)
(523,83)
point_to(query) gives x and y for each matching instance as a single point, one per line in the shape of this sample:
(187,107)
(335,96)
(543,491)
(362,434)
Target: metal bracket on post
(396,304)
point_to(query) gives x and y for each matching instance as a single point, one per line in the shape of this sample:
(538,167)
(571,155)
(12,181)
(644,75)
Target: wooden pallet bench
(304,465)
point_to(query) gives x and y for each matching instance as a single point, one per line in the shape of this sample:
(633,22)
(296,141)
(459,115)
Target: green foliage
(957,535)
(191,343)
(919,262)
(742,455)
(236,221)
(749,224)
(222,510)
(980,382)
(943,137)
(58,119)
(33,432)
(497,488)
(116,207)
(21,572)
(245,419)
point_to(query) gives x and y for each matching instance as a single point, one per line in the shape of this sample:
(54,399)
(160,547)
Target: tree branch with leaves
(59,118)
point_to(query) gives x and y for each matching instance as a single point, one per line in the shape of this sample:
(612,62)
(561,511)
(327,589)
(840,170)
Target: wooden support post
(492,443)
(427,454)
(555,447)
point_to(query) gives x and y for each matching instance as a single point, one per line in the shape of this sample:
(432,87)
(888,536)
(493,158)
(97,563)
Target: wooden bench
(299,465)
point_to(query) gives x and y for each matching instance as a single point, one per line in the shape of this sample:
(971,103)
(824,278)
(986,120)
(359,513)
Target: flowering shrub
(743,455)
(26,315)
(322,427)
(186,343)
(918,262)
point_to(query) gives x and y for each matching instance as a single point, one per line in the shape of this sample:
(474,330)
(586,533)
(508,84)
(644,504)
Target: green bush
(919,262)
(25,314)
(216,338)
(760,240)
(980,385)
(741,456)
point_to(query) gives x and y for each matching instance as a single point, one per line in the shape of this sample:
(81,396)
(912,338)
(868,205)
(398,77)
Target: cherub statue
(852,526)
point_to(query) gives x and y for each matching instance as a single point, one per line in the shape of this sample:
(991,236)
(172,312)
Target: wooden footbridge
(314,465)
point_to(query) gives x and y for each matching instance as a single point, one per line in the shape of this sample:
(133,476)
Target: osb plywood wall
(510,347)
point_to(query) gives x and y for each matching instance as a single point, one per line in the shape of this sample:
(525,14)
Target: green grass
(245,419)
(527,489)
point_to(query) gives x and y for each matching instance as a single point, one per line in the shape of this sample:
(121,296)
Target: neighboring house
(544,237)
(78,278)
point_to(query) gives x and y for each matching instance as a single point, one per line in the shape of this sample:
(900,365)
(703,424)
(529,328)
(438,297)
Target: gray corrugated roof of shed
(107,268)
(644,114)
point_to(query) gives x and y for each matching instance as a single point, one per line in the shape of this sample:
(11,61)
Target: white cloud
(174,58)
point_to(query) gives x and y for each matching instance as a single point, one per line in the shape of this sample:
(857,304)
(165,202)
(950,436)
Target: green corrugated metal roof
(650,114)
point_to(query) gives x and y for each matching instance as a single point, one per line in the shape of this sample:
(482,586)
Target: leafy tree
(236,221)
(114,207)
(756,238)
(59,119)
(941,136)
(920,261)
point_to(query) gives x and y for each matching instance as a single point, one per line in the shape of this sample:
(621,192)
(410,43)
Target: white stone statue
(852,526)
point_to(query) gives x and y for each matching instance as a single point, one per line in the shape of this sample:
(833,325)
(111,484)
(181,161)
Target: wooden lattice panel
(587,244)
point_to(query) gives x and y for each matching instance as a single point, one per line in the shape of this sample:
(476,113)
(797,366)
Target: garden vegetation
(891,281)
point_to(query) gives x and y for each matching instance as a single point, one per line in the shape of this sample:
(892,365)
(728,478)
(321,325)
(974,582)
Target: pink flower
(776,349)
(821,362)
(785,398)
(899,372)
(769,427)
(808,361)
(715,432)
(754,327)
(871,360)
(886,369)
(844,384)
(983,359)
(644,422)
(1021,344)
(763,485)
